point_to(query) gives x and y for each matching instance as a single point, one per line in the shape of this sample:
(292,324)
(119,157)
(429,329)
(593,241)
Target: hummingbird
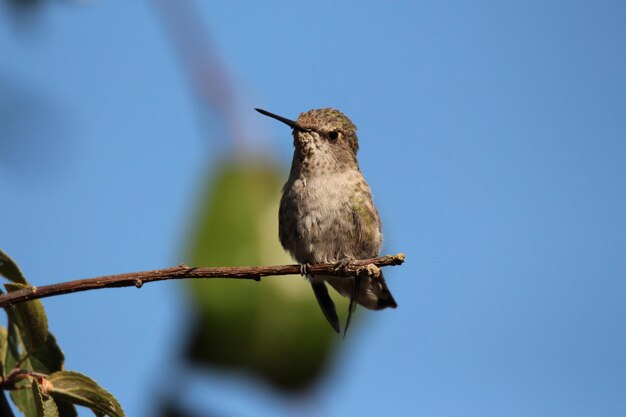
(326,210)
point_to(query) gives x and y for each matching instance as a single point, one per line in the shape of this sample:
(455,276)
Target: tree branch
(183,271)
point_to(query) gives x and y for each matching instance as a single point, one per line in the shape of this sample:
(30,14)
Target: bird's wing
(326,303)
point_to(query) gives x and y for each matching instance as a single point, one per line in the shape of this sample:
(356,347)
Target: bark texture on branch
(183,271)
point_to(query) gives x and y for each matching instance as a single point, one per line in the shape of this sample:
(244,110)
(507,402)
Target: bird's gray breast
(317,218)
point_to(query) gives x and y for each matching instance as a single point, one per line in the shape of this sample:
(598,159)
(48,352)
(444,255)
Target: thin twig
(183,271)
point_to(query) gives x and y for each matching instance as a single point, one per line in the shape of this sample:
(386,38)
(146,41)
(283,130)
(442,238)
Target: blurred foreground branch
(137,279)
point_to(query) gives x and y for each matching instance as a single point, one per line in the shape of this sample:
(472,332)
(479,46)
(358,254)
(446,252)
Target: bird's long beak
(286,121)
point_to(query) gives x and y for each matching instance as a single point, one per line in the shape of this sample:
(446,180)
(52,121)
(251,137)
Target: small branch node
(138,283)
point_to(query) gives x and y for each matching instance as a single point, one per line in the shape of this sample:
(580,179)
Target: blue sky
(493,135)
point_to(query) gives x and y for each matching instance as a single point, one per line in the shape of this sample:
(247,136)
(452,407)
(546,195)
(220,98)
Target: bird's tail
(373,294)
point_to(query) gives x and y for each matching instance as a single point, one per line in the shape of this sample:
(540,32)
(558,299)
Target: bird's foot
(305,269)
(342,265)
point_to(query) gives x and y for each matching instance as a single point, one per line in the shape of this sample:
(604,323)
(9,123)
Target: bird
(326,212)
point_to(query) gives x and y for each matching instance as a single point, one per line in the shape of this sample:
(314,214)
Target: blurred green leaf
(273,329)
(79,389)
(170,408)
(45,406)
(31,319)
(10,270)
(25,4)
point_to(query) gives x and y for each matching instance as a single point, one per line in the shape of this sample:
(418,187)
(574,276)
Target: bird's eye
(333,135)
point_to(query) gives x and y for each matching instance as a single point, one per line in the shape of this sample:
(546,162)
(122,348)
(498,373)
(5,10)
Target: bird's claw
(305,269)
(342,265)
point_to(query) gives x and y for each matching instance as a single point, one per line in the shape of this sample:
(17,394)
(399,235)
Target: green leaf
(14,344)
(79,389)
(10,270)
(4,344)
(45,405)
(31,319)
(47,358)
(66,409)
(24,400)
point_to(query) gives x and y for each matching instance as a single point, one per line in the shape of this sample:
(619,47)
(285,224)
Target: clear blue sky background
(492,133)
